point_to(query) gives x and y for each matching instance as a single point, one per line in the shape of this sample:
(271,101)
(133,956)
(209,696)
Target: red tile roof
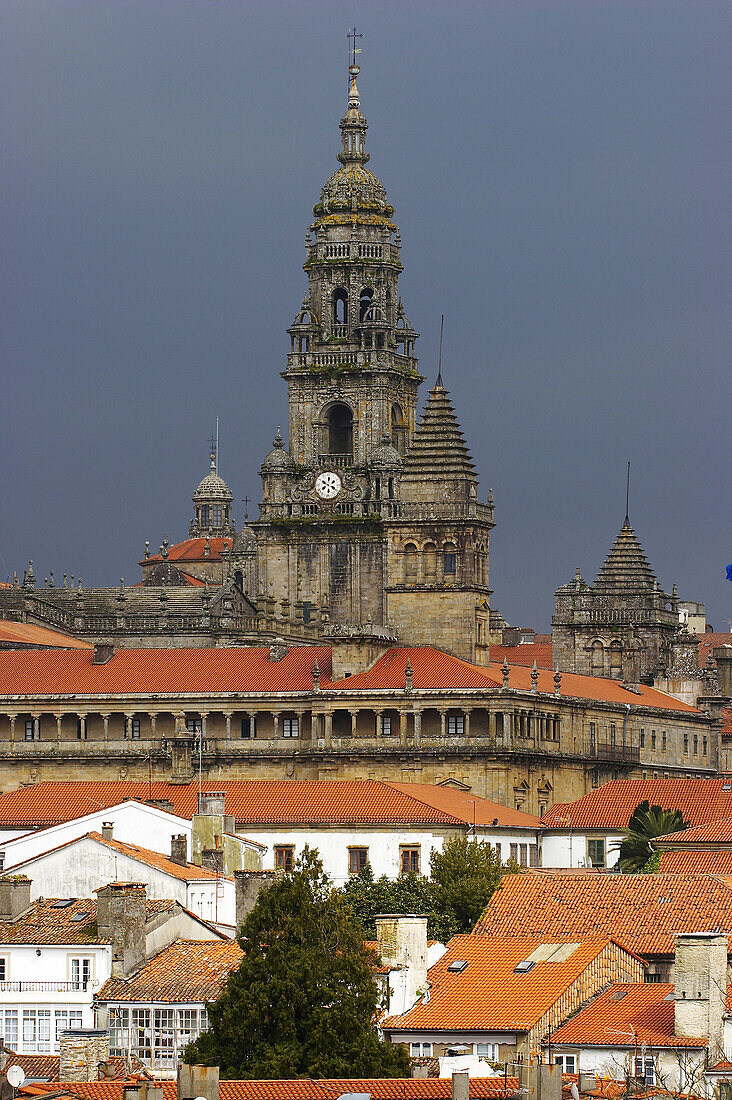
(267,801)
(710,641)
(641,1008)
(695,862)
(431,668)
(525,654)
(643,912)
(488,995)
(611,806)
(45,924)
(432,1088)
(193,550)
(187,970)
(712,832)
(28,634)
(164,671)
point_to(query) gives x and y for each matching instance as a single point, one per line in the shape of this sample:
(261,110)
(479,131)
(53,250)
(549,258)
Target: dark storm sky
(561,176)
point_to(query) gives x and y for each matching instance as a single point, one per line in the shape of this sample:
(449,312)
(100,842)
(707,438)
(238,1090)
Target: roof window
(78,917)
(619,994)
(524,967)
(727,786)
(62,903)
(457,966)
(670,997)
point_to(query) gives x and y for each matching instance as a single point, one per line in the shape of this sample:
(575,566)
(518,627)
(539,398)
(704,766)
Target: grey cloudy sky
(561,176)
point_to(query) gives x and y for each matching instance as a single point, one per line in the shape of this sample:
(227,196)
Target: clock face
(327,485)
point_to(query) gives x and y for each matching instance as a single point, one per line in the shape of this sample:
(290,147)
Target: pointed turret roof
(438,448)
(626,566)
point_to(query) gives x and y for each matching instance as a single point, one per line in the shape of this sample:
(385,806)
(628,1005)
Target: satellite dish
(16,1076)
(575,1091)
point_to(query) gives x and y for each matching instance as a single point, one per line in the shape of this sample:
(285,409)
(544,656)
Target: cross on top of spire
(353,34)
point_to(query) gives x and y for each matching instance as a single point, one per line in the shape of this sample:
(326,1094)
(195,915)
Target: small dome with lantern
(212,504)
(278,460)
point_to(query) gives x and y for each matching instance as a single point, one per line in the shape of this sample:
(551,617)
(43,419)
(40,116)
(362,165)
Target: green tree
(464,876)
(646,823)
(303,1001)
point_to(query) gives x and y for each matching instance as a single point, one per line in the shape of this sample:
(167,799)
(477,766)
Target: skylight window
(62,903)
(457,966)
(619,994)
(78,917)
(524,967)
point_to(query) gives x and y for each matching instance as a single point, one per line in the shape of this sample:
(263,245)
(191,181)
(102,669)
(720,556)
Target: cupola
(212,505)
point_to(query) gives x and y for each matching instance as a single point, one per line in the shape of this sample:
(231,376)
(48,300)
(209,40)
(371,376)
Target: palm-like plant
(646,823)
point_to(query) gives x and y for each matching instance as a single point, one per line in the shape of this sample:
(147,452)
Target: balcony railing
(44,987)
(340,461)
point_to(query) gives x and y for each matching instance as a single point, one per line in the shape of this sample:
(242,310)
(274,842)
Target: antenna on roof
(627,497)
(439,361)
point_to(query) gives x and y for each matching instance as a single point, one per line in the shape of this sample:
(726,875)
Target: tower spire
(439,360)
(353,124)
(627,499)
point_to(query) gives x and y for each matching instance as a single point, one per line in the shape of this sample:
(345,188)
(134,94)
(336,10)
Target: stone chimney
(401,942)
(212,802)
(194,1081)
(121,919)
(700,987)
(461,1086)
(81,1051)
(248,886)
(103,653)
(179,849)
(143,1090)
(107,830)
(723,658)
(14,897)
(181,756)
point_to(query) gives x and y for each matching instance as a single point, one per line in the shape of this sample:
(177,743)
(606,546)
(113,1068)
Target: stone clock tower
(367,520)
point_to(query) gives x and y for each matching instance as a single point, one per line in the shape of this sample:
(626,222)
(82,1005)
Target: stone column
(227,716)
(507,726)
(129,715)
(328,729)
(377,723)
(58,726)
(252,716)
(443,720)
(354,720)
(492,724)
(417,728)
(13,718)
(153,726)
(105,720)
(36,725)
(300,714)
(402,727)
(276,721)
(204,726)
(467,723)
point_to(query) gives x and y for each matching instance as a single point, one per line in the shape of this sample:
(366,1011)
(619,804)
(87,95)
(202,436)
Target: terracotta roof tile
(43,923)
(643,912)
(28,634)
(193,550)
(189,873)
(611,806)
(695,862)
(710,641)
(525,654)
(42,1066)
(643,1008)
(187,970)
(432,1088)
(487,995)
(267,801)
(712,832)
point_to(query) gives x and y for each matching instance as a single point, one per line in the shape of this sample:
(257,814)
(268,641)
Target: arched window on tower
(205,516)
(364,302)
(597,659)
(398,429)
(449,559)
(340,430)
(340,308)
(410,563)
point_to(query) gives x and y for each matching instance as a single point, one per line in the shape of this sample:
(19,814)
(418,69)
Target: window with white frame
(3,968)
(66,1018)
(386,725)
(645,1072)
(163,1038)
(9,1025)
(420,1050)
(487,1050)
(455,725)
(568,1062)
(80,972)
(158,1036)
(32,729)
(36,1030)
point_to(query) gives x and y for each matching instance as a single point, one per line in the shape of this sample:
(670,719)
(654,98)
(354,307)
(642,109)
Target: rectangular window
(290,727)
(653,739)
(663,740)
(409,859)
(3,969)
(696,744)
(66,1018)
(357,860)
(455,725)
(568,1062)
(514,853)
(163,1038)
(386,725)
(119,1031)
(142,1034)
(704,750)
(612,736)
(194,725)
(686,742)
(81,972)
(420,1050)
(524,855)
(595,777)
(645,1072)
(487,1050)
(217,515)
(37,1030)
(642,739)
(9,1024)
(652,979)
(497,846)
(533,855)
(135,729)
(596,852)
(450,566)
(284,857)
(249,726)
(33,729)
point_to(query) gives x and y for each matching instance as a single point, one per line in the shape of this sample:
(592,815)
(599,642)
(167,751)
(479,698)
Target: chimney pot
(14,897)
(103,653)
(179,849)
(108,830)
